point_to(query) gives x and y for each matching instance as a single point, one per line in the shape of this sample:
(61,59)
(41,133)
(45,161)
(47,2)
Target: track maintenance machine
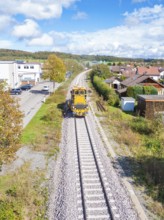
(78,102)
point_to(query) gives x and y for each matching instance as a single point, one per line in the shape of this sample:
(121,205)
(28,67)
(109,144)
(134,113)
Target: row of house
(154,72)
(17,73)
(148,105)
(143,80)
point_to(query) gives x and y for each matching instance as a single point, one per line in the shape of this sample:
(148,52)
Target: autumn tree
(54,69)
(10,123)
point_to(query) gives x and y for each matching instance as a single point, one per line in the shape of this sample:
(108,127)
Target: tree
(134,91)
(73,66)
(54,69)
(101,70)
(10,123)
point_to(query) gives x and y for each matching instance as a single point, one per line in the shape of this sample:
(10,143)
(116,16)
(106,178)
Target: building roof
(151,70)
(134,80)
(152,97)
(115,69)
(112,79)
(138,79)
(128,99)
(161,69)
(129,71)
(7,61)
(17,62)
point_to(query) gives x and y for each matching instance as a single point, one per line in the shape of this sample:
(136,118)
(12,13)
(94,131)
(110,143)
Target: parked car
(16,91)
(31,85)
(26,87)
(45,88)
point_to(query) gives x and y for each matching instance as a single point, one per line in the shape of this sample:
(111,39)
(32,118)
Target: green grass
(21,195)
(38,125)
(141,142)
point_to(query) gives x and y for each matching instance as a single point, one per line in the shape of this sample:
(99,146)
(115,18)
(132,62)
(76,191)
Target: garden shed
(150,105)
(127,104)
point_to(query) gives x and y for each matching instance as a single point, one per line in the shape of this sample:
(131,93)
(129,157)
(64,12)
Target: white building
(16,73)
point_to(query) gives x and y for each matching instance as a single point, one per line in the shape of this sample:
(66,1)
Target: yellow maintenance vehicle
(78,102)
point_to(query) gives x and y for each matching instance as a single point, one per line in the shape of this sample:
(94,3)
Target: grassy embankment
(140,146)
(23,193)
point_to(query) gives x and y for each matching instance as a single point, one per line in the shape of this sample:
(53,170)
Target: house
(9,74)
(115,69)
(114,82)
(16,73)
(161,72)
(150,105)
(142,80)
(126,71)
(129,71)
(151,71)
(29,72)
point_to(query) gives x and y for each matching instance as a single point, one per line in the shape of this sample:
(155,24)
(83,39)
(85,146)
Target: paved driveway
(30,101)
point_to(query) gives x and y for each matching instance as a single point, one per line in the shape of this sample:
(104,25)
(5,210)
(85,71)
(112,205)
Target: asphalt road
(30,101)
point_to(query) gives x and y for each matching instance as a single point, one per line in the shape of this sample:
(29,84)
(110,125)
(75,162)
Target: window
(26,67)
(31,67)
(19,67)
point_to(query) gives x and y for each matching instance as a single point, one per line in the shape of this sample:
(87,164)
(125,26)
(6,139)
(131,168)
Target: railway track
(100,107)
(94,194)
(87,185)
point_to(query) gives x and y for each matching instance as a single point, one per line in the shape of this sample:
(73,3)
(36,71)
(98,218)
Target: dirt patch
(25,154)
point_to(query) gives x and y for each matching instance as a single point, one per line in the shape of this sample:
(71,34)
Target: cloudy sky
(126,28)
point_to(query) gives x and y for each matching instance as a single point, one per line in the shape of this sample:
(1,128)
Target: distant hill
(6,54)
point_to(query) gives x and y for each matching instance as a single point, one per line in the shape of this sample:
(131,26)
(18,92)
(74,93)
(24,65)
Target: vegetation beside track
(139,143)
(23,193)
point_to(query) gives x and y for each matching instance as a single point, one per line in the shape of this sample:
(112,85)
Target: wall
(149,108)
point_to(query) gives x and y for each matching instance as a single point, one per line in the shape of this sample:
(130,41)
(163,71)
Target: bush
(133,91)
(105,91)
(10,211)
(141,126)
(150,90)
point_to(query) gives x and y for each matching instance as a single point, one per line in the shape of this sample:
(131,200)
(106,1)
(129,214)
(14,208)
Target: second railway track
(95,197)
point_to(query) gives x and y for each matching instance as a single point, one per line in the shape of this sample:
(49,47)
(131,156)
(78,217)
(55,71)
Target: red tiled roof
(152,70)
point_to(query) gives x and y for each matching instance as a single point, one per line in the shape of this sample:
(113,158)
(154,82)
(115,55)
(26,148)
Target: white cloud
(26,30)
(43,9)
(141,35)
(142,40)
(44,40)
(5,21)
(146,14)
(80,15)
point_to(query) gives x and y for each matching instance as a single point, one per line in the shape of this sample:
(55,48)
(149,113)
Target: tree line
(7,54)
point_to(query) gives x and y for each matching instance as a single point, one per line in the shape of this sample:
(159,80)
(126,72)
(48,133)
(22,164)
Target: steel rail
(80,173)
(99,173)
(84,205)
